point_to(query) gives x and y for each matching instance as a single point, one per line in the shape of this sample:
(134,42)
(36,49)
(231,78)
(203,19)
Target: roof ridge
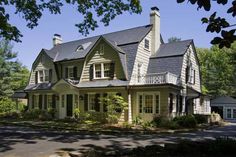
(105,34)
(178,41)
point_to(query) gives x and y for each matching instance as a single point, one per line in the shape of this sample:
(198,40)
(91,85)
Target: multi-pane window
(107,69)
(234,113)
(191,74)
(146,44)
(102,70)
(140,103)
(139,71)
(41,76)
(50,101)
(91,101)
(98,70)
(149,103)
(46,75)
(70,72)
(62,100)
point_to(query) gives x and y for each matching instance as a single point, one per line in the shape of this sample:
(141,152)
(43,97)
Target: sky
(177,20)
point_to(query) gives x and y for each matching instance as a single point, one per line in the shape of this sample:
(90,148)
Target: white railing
(157,78)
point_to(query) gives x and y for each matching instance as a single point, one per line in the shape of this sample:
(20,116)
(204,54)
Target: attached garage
(225,106)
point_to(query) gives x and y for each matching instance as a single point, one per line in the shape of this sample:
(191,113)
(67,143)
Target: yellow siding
(43,62)
(110,55)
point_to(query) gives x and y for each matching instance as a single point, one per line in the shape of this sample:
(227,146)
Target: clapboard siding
(110,55)
(142,57)
(193,57)
(76,63)
(43,62)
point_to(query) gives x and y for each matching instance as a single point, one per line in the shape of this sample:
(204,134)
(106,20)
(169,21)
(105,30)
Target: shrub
(126,125)
(164,122)
(32,114)
(7,105)
(115,106)
(77,113)
(93,116)
(52,112)
(187,121)
(201,119)
(137,120)
(10,115)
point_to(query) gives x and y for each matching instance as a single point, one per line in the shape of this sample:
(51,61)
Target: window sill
(147,49)
(103,78)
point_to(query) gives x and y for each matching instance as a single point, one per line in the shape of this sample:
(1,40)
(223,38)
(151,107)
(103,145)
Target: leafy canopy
(12,74)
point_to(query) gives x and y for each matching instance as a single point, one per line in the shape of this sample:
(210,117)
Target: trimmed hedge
(187,121)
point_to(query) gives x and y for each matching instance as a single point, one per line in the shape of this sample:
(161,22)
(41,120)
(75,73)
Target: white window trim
(102,71)
(68,74)
(89,106)
(154,102)
(43,70)
(148,49)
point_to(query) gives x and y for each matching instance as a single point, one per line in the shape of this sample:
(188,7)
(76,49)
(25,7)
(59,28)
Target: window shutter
(40,102)
(66,73)
(36,77)
(91,72)
(171,103)
(75,73)
(85,102)
(112,70)
(187,74)
(33,97)
(193,76)
(50,75)
(45,102)
(97,104)
(105,105)
(180,104)
(54,101)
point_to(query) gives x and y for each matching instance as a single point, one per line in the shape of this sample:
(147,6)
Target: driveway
(28,142)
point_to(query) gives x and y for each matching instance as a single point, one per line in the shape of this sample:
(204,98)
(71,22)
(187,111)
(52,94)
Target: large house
(155,78)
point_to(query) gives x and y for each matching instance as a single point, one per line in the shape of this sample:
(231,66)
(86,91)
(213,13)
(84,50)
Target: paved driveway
(27,142)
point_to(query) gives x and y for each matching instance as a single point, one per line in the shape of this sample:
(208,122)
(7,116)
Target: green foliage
(218,67)
(127,125)
(164,122)
(7,105)
(187,121)
(52,112)
(93,116)
(77,113)
(218,24)
(32,11)
(137,120)
(201,119)
(32,114)
(115,106)
(174,39)
(10,115)
(12,74)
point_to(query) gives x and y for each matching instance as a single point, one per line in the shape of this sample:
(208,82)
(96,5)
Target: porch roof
(102,83)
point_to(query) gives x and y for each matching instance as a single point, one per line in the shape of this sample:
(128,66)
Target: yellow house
(154,77)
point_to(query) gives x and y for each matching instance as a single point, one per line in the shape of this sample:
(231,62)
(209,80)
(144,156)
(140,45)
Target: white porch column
(129,109)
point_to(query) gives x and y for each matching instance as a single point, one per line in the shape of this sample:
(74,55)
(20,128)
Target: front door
(69,105)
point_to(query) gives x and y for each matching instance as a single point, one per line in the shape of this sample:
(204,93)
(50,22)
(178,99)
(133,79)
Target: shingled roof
(67,51)
(169,57)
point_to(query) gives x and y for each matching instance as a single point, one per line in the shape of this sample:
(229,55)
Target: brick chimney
(156,34)
(56,39)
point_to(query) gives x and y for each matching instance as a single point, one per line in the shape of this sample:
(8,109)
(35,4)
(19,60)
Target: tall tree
(12,74)
(218,70)
(173,39)
(105,11)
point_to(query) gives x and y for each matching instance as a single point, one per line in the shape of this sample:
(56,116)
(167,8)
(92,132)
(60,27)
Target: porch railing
(157,78)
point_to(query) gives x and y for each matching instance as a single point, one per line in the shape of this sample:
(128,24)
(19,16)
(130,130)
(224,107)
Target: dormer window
(80,48)
(71,72)
(146,44)
(103,70)
(43,76)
